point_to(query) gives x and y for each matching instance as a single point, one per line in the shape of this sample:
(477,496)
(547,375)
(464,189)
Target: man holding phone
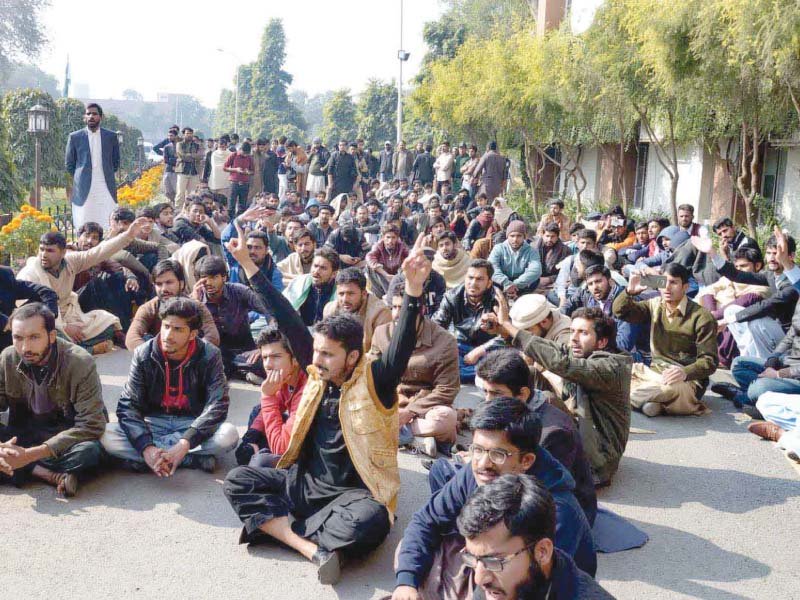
(684,344)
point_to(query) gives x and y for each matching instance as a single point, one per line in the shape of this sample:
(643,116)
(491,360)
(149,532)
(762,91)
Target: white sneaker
(425,445)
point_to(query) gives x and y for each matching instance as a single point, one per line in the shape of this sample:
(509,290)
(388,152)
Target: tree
(10,191)
(21,33)
(23,75)
(132,95)
(376,113)
(339,118)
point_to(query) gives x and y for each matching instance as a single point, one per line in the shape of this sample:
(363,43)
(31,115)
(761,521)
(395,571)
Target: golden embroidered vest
(370,431)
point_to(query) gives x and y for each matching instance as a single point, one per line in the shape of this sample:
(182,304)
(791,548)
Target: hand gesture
(673,375)
(704,245)
(272,382)
(132,285)
(75,332)
(782,246)
(135,228)
(635,286)
(416,269)
(154,458)
(405,592)
(8,451)
(474,355)
(502,308)
(769,373)
(175,455)
(199,289)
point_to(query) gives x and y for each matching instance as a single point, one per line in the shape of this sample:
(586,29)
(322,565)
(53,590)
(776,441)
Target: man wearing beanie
(517,265)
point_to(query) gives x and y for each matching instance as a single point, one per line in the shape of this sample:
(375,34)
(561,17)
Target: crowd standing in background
(359,291)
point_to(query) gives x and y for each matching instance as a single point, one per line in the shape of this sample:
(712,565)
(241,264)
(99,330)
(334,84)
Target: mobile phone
(654,282)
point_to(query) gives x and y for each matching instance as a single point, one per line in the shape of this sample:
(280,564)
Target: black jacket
(466,320)
(13,289)
(780,305)
(204,383)
(423,168)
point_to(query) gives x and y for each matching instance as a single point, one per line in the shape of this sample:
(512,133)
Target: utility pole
(402,56)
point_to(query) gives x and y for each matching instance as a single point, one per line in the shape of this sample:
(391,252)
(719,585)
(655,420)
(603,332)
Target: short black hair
(272,335)
(169,265)
(96,106)
(482,263)
(447,235)
(53,238)
(640,225)
(187,128)
(791,245)
(184,308)
(246,147)
(557,202)
(304,232)
(589,258)
(505,366)
(259,235)
(329,254)
(553,228)
(576,227)
(587,234)
(518,421)
(722,222)
(674,269)
(595,269)
(344,329)
(211,265)
(125,215)
(91,227)
(605,328)
(147,211)
(390,228)
(352,275)
(35,309)
(749,254)
(161,207)
(520,502)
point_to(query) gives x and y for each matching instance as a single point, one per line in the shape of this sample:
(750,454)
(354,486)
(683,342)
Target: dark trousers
(79,459)
(237,203)
(234,360)
(259,495)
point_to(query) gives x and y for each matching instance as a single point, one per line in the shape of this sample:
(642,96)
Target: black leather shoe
(329,568)
(728,391)
(427,463)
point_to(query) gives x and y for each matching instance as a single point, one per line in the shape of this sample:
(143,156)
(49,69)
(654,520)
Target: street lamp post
(120,139)
(402,57)
(38,125)
(140,152)
(236,91)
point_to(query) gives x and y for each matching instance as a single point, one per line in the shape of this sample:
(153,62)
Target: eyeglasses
(494,564)
(497,455)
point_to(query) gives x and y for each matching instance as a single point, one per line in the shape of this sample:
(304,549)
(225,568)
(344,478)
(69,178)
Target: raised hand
(135,228)
(416,269)
(704,245)
(782,246)
(635,286)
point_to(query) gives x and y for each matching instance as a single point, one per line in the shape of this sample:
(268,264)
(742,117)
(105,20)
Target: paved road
(720,506)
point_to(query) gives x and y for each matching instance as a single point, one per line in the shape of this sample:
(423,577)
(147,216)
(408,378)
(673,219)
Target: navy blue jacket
(78,161)
(12,289)
(437,519)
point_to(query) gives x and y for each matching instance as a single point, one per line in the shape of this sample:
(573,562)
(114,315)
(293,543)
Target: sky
(171,46)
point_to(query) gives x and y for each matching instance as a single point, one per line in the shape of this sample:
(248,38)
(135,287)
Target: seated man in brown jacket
(169,280)
(429,385)
(352,297)
(55,402)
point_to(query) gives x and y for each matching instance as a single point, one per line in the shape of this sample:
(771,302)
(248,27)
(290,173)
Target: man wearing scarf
(450,260)
(552,251)
(173,406)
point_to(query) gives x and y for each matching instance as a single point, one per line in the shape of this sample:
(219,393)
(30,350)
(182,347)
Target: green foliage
(21,33)
(23,75)
(10,192)
(264,104)
(129,151)
(339,118)
(376,113)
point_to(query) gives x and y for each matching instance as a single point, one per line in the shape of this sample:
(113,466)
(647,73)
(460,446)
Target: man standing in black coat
(342,171)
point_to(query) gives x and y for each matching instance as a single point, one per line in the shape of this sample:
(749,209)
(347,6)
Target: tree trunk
(531,167)
(668,160)
(749,171)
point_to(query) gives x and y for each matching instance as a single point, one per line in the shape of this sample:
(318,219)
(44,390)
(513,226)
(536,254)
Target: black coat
(466,320)
(13,289)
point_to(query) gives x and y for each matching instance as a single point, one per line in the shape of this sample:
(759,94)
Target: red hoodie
(270,419)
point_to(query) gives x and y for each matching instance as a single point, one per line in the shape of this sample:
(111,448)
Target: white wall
(590,161)
(790,203)
(690,180)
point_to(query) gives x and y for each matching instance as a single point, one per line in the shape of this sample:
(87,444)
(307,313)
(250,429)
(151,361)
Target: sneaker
(651,409)
(329,568)
(425,445)
(254,379)
(204,462)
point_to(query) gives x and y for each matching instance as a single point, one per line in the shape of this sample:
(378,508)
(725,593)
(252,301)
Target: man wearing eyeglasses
(509,526)
(506,436)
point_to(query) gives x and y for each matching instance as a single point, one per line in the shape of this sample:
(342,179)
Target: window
(643,151)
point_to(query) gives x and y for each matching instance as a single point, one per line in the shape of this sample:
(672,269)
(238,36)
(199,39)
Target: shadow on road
(671,486)
(680,562)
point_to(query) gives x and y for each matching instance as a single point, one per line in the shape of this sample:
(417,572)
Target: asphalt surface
(720,506)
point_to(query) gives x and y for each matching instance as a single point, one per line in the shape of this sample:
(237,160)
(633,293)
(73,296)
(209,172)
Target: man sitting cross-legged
(684,345)
(430,384)
(505,440)
(175,400)
(505,373)
(338,480)
(56,268)
(353,298)
(169,281)
(52,391)
(510,526)
(600,379)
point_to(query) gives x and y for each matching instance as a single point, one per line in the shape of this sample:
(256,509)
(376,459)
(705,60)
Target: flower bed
(142,191)
(20,237)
